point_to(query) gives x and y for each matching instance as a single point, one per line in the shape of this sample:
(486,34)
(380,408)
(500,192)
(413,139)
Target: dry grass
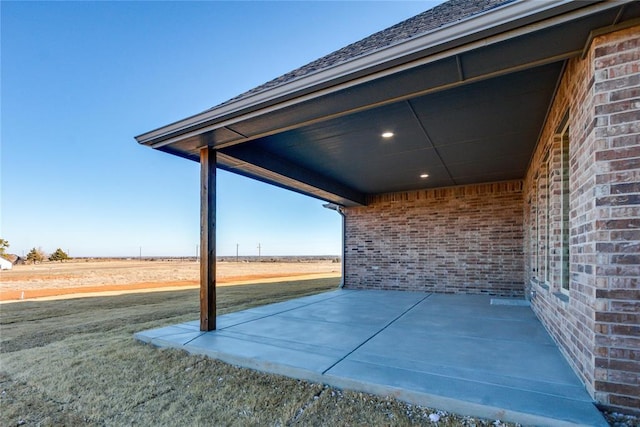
(75,362)
(94,276)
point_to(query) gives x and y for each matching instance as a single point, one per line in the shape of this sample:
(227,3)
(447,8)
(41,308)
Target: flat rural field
(84,277)
(74,361)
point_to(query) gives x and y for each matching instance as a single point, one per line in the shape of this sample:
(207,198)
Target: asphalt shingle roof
(446,13)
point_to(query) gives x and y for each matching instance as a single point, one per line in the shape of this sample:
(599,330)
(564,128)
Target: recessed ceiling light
(387,134)
(424,175)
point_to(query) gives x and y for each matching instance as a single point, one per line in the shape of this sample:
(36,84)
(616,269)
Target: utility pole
(140,254)
(259,253)
(237,245)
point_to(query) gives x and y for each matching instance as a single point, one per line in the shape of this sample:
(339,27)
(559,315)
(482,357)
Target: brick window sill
(564,298)
(542,285)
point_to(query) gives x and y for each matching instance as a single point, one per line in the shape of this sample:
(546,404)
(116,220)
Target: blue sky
(81,79)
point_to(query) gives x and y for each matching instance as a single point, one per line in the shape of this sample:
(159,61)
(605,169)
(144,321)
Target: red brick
(632,187)
(619,224)
(465,239)
(627,200)
(619,365)
(627,93)
(624,389)
(618,318)
(626,403)
(626,306)
(625,235)
(598,328)
(625,141)
(623,294)
(619,153)
(627,164)
(611,84)
(625,259)
(626,117)
(629,44)
(628,247)
(620,58)
(625,330)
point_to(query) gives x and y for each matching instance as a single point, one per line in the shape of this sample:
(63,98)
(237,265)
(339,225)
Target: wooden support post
(207,239)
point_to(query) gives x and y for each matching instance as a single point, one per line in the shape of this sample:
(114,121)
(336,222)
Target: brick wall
(465,239)
(597,323)
(617,225)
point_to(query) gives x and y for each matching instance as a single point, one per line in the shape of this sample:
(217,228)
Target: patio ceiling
(464,110)
(477,133)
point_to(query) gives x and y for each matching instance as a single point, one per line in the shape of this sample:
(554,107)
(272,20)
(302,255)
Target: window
(547,220)
(550,216)
(542,237)
(564,264)
(534,231)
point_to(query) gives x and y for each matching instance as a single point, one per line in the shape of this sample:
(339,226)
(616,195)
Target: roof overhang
(466,102)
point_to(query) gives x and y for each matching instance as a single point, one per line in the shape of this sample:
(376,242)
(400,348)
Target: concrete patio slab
(459,353)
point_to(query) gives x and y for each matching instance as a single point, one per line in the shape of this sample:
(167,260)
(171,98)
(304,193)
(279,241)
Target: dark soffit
(470,117)
(476,133)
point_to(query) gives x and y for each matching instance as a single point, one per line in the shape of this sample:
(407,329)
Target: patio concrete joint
(458,353)
(377,332)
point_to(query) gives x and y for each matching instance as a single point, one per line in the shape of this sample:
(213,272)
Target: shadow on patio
(467,354)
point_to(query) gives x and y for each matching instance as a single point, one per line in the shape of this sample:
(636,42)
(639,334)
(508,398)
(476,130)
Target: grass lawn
(75,362)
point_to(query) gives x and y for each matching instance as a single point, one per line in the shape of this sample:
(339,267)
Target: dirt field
(89,277)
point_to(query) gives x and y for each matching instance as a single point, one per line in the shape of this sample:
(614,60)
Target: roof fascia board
(251,106)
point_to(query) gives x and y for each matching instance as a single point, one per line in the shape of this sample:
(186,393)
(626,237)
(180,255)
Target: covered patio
(454,98)
(469,354)
(462,148)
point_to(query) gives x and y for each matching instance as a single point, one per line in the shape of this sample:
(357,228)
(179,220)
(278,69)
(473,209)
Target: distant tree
(58,255)
(4,244)
(36,255)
